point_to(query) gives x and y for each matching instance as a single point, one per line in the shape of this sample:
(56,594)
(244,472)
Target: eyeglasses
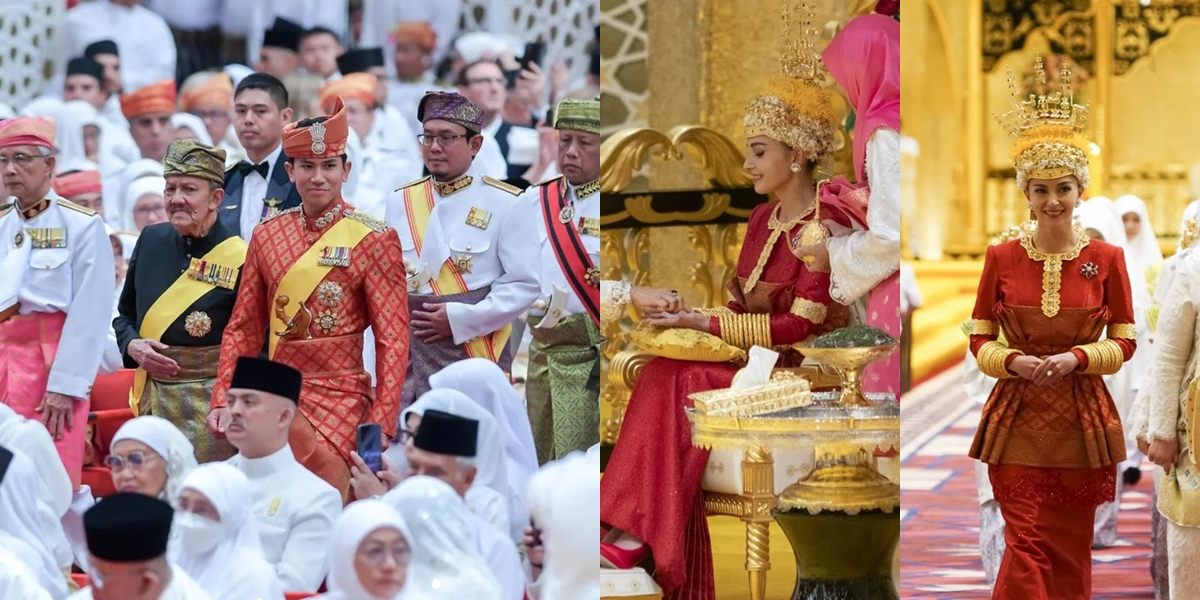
(495,80)
(137,459)
(21,160)
(404,435)
(445,140)
(376,556)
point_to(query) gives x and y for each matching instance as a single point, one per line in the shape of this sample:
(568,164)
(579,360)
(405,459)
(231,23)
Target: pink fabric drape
(864,58)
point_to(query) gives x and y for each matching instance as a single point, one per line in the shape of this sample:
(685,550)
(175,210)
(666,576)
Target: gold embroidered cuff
(1122,330)
(993,358)
(745,331)
(984,327)
(1104,357)
(813,311)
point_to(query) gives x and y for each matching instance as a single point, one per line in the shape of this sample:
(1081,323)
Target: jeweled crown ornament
(1048,128)
(317,131)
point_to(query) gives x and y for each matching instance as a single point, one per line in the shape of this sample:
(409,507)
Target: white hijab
(238,557)
(1100,213)
(54,485)
(68,135)
(1143,248)
(151,185)
(18,581)
(194,123)
(22,522)
(445,563)
(490,464)
(164,438)
(358,521)
(565,494)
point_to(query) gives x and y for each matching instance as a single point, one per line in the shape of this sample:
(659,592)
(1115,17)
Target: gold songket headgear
(796,109)
(1048,128)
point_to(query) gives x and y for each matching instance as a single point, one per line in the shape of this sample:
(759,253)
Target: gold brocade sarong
(184,399)
(564,413)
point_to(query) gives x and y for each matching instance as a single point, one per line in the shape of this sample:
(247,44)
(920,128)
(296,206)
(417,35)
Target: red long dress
(1052,450)
(651,486)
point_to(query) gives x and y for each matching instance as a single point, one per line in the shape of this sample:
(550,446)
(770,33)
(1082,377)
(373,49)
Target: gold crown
(1014,232)
(797,109)
(1048,129)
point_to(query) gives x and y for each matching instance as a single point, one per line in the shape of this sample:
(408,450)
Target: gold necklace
(777,229)
(1052,268)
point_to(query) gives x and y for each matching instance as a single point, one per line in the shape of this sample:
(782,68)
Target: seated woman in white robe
(24,528)
(370,553)
(561,497)
(216,538)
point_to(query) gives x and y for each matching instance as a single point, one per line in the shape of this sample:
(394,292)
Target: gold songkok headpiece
(796,109)
(1048,128)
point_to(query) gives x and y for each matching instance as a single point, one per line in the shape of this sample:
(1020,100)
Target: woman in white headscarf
(24,528)
(144,203)
(444,561)
(150,456)
(484,382)
(18,581)
(214,538)
(190,127)
(490,496)
(77,136)
(1143,251)
(563,497)
(370,553)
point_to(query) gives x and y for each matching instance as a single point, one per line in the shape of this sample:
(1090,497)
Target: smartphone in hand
(533,54)
(537,534)
(370,446)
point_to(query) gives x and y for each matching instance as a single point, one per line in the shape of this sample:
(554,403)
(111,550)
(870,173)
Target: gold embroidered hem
(993,360)
(813,311)
(746,330)
(984,327)
(1104,357)
(1052,269)
(1122,330)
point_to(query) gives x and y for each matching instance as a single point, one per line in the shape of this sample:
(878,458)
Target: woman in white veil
(490,496)
(444,562)
(563,497)
(24,528)
(367,532)
(196,129)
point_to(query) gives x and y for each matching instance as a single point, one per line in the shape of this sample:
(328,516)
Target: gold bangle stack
(1122,330)
(993,360)
(1104,357)
(746,330)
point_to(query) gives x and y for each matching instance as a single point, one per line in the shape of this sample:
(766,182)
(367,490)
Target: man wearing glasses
(52,253)
(471,266)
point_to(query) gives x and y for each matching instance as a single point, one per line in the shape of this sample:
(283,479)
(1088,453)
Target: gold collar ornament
(587,189)
(35,210)
(453,186)
(1052,268)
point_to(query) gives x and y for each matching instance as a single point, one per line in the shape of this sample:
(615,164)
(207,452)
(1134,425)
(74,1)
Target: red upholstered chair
(81,580)
(109,410)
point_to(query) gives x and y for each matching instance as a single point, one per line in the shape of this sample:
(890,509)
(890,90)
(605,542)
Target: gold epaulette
(294,209)
(375,223)
(75,207)
(541,183)
(496,183)
(417,182)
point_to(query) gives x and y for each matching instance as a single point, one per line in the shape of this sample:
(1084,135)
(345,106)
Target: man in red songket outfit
(56,284)
(315,277)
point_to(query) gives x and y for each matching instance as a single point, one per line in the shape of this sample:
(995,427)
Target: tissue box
(785,390)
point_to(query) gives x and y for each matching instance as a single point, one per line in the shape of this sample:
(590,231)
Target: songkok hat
(284,34)
(452,107)
(154,98)
(128,527)
(443,433)
(583,115)
(217,91)
(27,131)
(359,60)
(320,139)
(356,86)
(101,47)
(84,65)
(417,32)
(268,376)
(195,159)
(80,182)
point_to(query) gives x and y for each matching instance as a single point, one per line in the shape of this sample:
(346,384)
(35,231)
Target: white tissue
(757,370)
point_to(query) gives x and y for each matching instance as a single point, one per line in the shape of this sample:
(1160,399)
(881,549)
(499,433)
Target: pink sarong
(883,312)
(28,345)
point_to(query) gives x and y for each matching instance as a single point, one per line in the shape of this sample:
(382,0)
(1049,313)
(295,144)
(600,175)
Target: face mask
(197,535)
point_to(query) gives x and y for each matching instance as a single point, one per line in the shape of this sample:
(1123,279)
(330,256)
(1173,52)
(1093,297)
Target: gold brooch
(317,131)
(1089,270)
(593,277)
(567,213)
(463,263)
(329,293)
(20,239)
(198,324)
(327,321)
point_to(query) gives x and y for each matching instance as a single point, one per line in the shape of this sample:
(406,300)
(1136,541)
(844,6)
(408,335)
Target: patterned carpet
(939,540)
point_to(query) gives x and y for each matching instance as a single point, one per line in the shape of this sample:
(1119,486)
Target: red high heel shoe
(613,557)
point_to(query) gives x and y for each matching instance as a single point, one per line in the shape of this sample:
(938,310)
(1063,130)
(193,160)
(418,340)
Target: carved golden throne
(708,220)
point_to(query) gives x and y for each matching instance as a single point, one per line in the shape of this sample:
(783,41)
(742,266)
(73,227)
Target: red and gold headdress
(1048,128)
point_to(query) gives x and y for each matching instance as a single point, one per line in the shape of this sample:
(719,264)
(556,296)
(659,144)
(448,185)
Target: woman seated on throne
(650,492)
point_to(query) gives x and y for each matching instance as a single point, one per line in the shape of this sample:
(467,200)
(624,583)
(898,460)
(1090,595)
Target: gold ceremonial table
(842,517)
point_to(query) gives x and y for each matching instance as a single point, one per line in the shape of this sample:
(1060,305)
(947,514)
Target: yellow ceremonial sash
(183,293)
(306,274)
(418,201)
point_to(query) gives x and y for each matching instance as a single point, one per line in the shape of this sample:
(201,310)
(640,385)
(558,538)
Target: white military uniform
(181,587)
(498,254)
(295,511)
(50,280)
(501,554)
(551,272)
